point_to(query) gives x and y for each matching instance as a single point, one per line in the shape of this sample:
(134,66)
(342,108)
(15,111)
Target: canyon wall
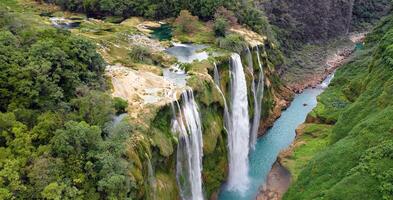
(317,21)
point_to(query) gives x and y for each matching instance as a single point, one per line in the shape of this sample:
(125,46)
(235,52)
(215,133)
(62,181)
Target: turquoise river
(279,137)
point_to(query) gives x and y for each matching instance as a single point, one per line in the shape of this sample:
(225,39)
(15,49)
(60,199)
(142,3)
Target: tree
(120,105)
(15,151)
(53,191)
(141,54)
(220,27)
(186,22)
(232,42)
(94,107)
(76,139)
(226,14)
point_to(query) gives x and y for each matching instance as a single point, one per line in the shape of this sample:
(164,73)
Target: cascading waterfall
(187,124)
(258,96)
(238,136)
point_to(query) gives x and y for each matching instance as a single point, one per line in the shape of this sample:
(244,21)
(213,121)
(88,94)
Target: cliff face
(365,12)
(310,21)
(317,21)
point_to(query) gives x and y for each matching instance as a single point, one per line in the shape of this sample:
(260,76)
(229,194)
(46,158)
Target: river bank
(278,182)
(313,63)
(328,66)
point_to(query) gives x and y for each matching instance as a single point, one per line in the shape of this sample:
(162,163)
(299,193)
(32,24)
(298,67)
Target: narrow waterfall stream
(279,137)
(238,132)
(187,124)
(218,85)
(257,90)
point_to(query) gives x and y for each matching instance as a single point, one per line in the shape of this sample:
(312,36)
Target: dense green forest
(245,11)
(145,8)
(56,137)
(357,162)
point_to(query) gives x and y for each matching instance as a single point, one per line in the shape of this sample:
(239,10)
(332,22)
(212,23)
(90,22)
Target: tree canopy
(56,134)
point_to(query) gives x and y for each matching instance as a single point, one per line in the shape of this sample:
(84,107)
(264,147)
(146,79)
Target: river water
(279,137)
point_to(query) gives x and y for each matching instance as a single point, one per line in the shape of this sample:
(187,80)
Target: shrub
(220,27)
(120,105)
(186,22)
(256,20)
(140,54)
(224,13)
(232,42)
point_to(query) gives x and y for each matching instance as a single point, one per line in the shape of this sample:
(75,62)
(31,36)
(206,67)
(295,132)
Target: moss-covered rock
(166,186)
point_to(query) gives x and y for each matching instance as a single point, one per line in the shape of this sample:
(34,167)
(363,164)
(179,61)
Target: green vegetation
(56,137)
(311,139)
(220,27)
(232,42)
(145,8)
(188,29)
(186,23)
(120,105)
(366,13)
(140,54)
(245,11)
(357,163)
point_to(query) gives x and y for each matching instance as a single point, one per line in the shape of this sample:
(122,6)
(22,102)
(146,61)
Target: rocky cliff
(310,21)
(317,21)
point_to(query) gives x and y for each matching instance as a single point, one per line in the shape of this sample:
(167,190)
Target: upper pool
(164,32)
(187,53)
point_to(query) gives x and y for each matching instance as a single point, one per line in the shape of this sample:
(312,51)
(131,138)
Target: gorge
(193,100)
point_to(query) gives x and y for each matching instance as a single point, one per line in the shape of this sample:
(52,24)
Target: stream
(279,137)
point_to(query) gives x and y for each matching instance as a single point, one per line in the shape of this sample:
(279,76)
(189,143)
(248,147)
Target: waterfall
(151,181)
(216,76)
(188,125)
(238,136)
(258,96)
(255,121)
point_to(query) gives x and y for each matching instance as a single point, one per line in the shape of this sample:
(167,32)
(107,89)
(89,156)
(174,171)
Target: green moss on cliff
(215,166)
(213,124)
(160,132)
(166,186)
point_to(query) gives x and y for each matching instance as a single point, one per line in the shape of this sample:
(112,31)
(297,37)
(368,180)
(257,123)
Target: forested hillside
(55,120)
(349,134)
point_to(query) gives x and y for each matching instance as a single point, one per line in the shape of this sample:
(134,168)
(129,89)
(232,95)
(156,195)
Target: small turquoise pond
(164,32)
